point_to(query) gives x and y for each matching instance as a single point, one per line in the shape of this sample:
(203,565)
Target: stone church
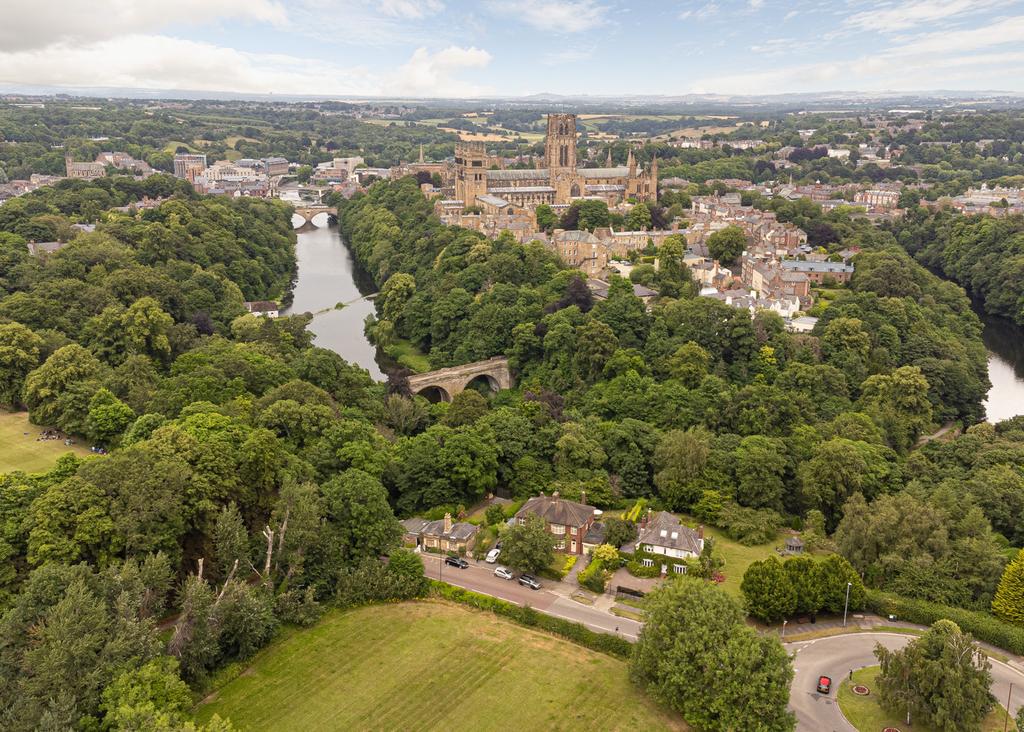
(557,183)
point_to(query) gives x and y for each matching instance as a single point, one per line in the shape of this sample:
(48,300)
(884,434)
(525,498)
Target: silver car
(503,572)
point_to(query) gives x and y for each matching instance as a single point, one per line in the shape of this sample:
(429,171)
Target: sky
(459,48)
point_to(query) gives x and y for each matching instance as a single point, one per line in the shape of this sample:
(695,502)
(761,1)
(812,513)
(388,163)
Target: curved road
(837,655)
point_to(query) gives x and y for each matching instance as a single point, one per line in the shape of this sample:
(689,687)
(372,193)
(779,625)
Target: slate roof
(492,200)
(521,174)
(797,265)
(460,531)
(620,171)
(664,530)
(557,510)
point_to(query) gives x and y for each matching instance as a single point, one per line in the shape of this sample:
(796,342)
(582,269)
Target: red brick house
(569,521)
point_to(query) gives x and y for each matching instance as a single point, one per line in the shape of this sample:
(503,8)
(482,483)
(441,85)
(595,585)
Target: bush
(594,577)
(750,526)
(495,514)
(638,570)
(981,625)
(371,581)
(611,645)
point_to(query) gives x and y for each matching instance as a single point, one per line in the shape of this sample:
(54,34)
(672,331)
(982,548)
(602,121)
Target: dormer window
(675,534)
(663,533)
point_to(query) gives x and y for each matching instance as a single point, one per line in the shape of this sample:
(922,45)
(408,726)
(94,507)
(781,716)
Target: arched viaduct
(446,383)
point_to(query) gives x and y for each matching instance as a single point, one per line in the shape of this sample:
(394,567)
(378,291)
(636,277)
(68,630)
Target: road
(837,655)
(550,599)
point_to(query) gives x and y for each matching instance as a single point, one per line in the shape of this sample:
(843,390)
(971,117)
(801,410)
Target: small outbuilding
(794,545)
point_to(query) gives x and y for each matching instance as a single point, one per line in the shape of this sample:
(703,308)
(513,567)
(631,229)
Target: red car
(824,685)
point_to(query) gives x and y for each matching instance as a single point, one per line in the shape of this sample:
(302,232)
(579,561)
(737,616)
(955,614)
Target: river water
(1005,344)
(328,275)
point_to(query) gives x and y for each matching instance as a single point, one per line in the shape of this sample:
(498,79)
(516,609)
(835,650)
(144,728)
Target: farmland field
(431,665)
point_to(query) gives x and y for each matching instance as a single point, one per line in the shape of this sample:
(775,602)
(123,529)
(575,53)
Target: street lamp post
(784,629)
(846,607)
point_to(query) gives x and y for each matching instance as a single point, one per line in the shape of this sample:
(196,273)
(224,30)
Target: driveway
(552,598)
(837,655)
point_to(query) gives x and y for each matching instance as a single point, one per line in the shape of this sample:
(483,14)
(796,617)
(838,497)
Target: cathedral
(557,183)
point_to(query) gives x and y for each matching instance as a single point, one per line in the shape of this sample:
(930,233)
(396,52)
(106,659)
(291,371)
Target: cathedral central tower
(560,146)
(560,155)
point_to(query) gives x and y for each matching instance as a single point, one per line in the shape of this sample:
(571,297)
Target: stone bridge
(443,384)
(308,212)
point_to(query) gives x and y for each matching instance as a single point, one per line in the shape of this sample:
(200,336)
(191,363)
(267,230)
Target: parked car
(824,685)
(456,562)
(492,555)
(528,580)
(503,572)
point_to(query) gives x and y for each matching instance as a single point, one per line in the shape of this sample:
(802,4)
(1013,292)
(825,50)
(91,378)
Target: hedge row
(593,577)
(602,642)
(981,625)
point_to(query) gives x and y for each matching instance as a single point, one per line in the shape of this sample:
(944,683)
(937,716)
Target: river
(329,275)
(1005,344)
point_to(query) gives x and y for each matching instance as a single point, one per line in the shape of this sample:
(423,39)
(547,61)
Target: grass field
(431,666)
(864,713)
(407,354)
(20,451)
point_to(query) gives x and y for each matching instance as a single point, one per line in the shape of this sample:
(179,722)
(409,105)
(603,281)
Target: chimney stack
(447,523)
(554,494)
(583,497)
(700,531)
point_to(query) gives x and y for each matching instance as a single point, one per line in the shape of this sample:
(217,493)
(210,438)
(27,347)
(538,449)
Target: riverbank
(1004,341)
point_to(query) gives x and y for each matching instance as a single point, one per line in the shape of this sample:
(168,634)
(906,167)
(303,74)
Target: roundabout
(838,656)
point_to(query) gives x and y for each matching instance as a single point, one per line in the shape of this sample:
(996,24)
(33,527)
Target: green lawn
(408,355)
(20,451)
(431,666)
(864,713)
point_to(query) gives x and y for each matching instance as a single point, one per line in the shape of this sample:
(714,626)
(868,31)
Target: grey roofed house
(460,532)
(665,531)
(794,545)
(555,510)
(48,247)
(803,266)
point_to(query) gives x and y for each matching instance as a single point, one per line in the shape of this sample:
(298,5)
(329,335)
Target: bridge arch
(308,213)
(485,380)
(434,394)
(494,372)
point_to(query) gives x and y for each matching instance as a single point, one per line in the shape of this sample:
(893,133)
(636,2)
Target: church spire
(421,154)
(609,162)
(631,162)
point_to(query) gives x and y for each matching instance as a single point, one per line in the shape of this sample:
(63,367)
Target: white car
(492,555)
(503,572)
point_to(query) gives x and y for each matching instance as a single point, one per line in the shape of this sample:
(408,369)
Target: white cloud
(162,62)
(554,16)
(755,4)
(166,63)
(568,56)
(705,11)
(916,13)
(434,74)
(943,43)
(39,23)
(411,9)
